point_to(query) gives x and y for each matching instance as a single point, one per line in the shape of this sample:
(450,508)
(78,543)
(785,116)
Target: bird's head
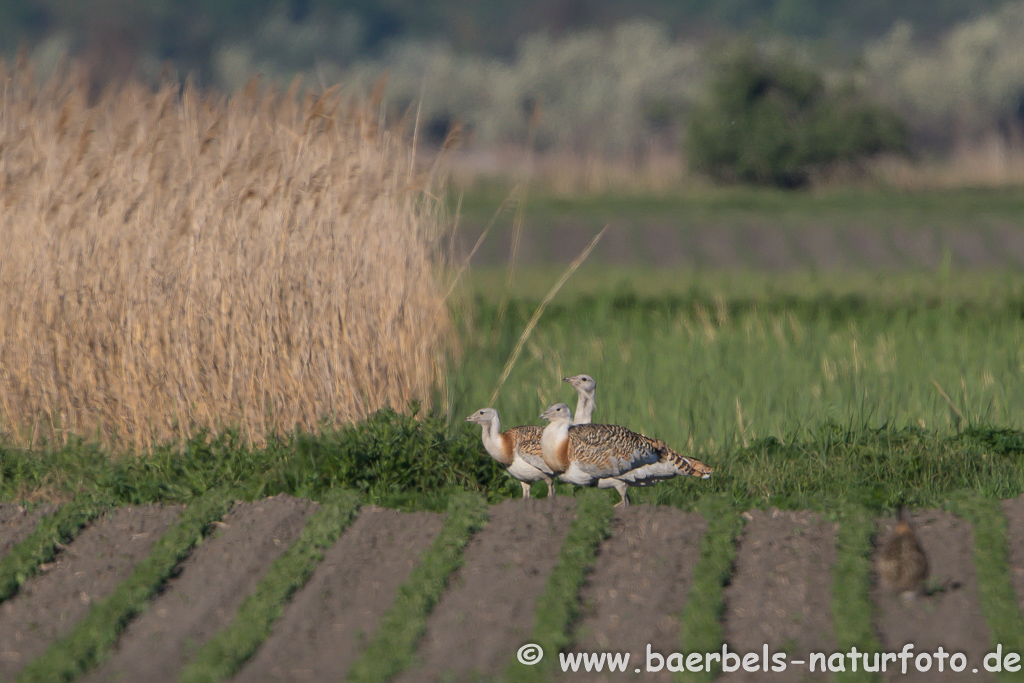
(558,411)
(483,416)
(584,383)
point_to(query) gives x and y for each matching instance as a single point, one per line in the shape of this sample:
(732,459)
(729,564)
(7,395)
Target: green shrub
(771,121)
(389,458)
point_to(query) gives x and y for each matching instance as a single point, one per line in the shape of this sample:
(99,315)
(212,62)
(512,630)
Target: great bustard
(609,456)
(517,448)
(902,565)
(586,387)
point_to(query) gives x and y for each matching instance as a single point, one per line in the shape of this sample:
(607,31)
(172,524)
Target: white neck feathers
(554,445)
(496,446)
(584,409)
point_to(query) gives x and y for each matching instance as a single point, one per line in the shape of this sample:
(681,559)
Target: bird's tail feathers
(688,467)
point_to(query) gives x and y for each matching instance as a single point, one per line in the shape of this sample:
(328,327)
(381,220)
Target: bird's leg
(551,487)
(526,489)
(623,489)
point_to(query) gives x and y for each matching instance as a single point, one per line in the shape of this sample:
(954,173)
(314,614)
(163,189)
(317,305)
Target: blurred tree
(771,121)
(190,32)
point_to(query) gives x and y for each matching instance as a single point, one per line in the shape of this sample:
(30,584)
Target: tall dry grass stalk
(528,330)
(172,261)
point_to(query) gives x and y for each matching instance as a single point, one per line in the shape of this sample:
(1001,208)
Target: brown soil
(1014,511)
(773,246)
(870,248)
(781,592)
(779,595)
(487,611)
(88,569)
(639,585)
(718,247)
(328,622)
(566,241)
(918,246)
(950,616)
(968,249)
(821,248)
(212,584)
(767,247)
(16,524)
(618,244)
(1007,240)
(665,246)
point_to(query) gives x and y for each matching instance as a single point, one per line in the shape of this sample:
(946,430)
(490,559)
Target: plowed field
(780,592)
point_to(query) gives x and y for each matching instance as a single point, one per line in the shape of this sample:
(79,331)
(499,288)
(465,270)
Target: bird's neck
(554,442)
(497,447)
(584,409)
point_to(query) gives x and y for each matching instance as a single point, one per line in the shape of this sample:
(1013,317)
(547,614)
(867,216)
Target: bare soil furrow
(639,585)
(487,611)
(207,593)
(951,615)
(668,246)
(768,247)
(918,246)
(773,245)
(618,243)
(51,603)
(969,248)
(328,621)
(1007,240)
(870,247)
(820,247)
(718,247)
(568,237)
(16,524)
(780,594)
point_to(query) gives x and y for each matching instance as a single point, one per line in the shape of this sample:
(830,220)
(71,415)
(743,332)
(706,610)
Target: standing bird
(902,565)
(515,448)
(609,456)
(586,387)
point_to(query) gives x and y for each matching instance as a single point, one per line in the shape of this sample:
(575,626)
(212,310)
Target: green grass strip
(995,587)
(93,636)
(225,652)
(852,606)
(700,625)
(393,647)
(59,527)
(558,605)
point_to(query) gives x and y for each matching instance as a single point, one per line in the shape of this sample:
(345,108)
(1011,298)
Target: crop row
(392,648)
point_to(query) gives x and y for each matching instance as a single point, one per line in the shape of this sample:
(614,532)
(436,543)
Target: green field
(849,393)
(802,388)
(816,390)
(802,391)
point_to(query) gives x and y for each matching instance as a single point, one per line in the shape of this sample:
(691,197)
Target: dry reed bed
(174,260)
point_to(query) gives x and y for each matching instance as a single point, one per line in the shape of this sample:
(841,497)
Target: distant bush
(771,121)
